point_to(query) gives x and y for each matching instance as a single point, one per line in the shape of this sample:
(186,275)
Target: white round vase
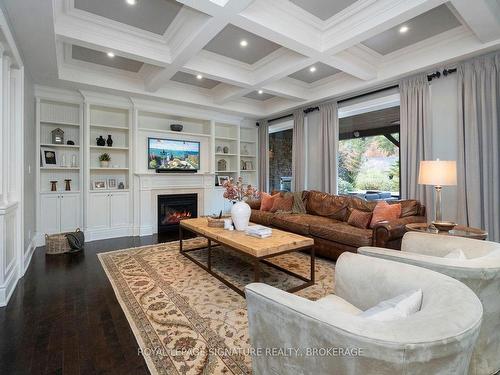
(240,213)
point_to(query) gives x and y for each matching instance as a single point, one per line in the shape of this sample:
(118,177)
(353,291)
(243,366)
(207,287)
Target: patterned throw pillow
(359,219)
(267,201)
(384,211)
(283,203)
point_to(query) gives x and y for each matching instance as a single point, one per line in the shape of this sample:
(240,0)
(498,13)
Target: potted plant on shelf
(104,159)
(238,193)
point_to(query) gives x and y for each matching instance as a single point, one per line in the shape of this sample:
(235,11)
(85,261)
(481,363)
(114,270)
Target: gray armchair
(438,339)
(480,272)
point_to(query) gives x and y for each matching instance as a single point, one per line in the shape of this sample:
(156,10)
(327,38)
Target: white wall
(29,162)
(444,101)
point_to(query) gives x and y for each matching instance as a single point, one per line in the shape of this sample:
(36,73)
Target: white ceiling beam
(192,30)
(352,65)
(77,28)
(482,16)
(286,89)
(224,93)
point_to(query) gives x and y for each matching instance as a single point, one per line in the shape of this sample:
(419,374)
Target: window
(280,156)
(369,153)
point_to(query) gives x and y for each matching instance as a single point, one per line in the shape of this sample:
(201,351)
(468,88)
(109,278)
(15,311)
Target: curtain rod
(312,109)
(437,74)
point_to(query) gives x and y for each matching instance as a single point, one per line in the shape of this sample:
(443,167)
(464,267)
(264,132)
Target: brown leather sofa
(325,221)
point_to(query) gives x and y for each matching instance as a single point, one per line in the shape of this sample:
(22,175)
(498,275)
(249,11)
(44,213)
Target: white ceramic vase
(240,213)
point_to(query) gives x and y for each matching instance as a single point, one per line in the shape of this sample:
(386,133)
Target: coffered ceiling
(221,54)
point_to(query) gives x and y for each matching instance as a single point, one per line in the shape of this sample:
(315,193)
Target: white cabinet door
(98,215)
(70,212)
(49,215)
(120,209)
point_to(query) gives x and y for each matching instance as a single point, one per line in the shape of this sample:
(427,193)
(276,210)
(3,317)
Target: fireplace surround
(172,208)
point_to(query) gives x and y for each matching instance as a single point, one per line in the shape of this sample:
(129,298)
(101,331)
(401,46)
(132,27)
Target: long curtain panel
(298,151)
(263,155)
(479,140)
(328,147)
(415,137)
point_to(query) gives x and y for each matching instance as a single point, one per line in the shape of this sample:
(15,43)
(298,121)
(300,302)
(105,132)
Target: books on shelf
(259,231)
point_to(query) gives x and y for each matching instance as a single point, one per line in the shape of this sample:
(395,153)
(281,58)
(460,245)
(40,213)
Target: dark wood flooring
(63,317)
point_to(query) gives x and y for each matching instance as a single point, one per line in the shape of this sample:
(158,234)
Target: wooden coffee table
(458,231)
(257,250)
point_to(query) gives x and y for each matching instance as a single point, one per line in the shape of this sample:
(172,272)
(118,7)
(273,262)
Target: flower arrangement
(104,157)
(239,192)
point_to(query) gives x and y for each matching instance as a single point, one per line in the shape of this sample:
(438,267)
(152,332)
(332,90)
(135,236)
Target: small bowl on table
(444,226)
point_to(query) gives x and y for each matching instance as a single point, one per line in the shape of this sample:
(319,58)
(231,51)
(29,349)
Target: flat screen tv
(173,155)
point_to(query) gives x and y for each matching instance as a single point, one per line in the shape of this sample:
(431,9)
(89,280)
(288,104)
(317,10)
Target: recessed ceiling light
(403,29)
(312,69)
(111,54)
(260,92)
(243,43)
(199,76)
(131,2)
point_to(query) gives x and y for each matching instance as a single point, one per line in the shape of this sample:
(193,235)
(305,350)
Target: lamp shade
(438,172)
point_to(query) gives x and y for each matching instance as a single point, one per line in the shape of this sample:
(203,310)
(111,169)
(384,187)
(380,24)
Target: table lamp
(438,173)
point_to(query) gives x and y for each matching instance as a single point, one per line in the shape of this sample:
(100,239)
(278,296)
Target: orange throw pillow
(267,201)
(359,219)
(384,211)
(283,203)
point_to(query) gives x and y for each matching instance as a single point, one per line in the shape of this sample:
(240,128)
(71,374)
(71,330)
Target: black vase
(109,141)
(101,141)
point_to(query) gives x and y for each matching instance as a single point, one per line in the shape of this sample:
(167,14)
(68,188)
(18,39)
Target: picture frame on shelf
(222,179)
(112,183)
(248,166)
(49,157)
(99,185)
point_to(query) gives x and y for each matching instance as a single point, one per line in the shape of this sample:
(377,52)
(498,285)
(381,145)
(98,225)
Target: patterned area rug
(188,322)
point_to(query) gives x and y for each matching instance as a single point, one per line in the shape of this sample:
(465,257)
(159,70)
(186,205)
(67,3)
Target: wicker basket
(216,222)
(57,243)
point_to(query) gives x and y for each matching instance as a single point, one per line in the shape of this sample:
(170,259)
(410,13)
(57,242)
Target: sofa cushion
(323,204)
(296,223)
(384,211)
(283,202)
(267,201)
(356,203)
(359,219)
(261,217)
(409,207)
(343,233)
(334,303)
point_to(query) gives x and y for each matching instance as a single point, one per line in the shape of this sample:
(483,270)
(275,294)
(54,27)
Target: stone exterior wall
(280,157)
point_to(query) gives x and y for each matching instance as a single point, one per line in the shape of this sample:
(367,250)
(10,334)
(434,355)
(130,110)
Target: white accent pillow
(395,308)
(456,254)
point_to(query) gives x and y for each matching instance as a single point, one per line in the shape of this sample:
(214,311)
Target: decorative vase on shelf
(67,185)
(109,141)
(100,141)
(104,164)
(240,213)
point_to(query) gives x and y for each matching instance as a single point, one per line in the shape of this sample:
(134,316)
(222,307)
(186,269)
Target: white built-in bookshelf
(95,203)
(59,208)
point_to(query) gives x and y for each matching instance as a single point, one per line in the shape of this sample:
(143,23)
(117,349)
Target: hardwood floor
(63,317)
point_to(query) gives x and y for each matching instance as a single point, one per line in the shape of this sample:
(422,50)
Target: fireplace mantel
(150,185)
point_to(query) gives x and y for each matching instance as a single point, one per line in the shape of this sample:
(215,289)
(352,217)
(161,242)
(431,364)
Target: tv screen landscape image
(173,155)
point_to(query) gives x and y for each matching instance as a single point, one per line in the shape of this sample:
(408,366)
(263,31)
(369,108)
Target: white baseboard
(8,286)
(103,234)
(28,254)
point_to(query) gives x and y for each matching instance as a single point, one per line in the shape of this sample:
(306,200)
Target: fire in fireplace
(173,208)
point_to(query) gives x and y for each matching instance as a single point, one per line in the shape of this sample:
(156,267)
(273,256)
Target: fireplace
(173,208)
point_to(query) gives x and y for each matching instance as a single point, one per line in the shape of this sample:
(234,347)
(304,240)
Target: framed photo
(248,166)
(222,179)
(99,185)
(49,157)
(112,183)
